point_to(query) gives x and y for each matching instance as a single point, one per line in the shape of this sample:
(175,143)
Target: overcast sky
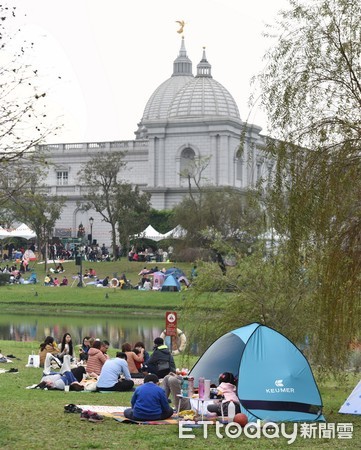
(112,55)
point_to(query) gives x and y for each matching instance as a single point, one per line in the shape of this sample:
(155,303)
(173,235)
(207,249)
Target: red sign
(171,323)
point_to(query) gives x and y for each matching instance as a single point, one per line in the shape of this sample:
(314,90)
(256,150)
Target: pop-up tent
(175,272)
(158,279)
(171,284)
(275,380)
(353,403)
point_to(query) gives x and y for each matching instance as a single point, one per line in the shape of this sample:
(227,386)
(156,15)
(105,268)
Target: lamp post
(79,253)
(91,221)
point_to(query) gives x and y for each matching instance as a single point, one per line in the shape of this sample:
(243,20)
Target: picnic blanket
(117,413)
(103,410)
(119,416)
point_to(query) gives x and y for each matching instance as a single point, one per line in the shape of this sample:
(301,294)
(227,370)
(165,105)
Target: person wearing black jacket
(161,361)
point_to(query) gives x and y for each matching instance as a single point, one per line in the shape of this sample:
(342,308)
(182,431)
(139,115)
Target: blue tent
(175,272)
(275,380)
(171,284)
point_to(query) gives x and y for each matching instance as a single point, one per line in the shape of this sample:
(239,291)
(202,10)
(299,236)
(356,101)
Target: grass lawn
(92,300)
(35,419)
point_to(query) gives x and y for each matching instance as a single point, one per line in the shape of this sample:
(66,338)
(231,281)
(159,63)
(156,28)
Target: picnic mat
(119,416)
(117,413)
(103,410)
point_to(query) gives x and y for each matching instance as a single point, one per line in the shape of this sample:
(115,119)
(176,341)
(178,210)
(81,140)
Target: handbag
(33,361)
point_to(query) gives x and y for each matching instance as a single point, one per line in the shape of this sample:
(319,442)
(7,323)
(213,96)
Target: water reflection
(116,329)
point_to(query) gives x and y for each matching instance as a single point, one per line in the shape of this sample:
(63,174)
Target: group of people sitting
(94,360)
(160,377)
(50,281)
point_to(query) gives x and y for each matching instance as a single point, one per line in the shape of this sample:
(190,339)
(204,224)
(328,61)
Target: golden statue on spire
(181,24)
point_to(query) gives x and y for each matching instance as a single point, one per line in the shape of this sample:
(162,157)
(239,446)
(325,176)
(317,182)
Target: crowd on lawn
(160,378)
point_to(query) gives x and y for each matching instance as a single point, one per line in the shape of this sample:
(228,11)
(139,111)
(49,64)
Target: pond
(116,329)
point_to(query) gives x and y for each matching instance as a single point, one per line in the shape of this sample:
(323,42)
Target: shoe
(85,415)
(94,417)
(13,370)
(71,408)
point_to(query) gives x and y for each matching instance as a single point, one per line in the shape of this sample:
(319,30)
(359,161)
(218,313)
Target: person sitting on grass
(149,402)
(111,373)
(96,357)
(64,281)
(172,385)
(133,359)
(48,346)
(161,362)
(228,389)
(66,347)
(84,348)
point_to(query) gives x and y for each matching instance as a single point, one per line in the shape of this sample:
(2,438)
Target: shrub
(4,278)
(192,254)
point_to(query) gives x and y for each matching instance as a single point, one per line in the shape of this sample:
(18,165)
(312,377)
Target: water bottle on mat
(185,387)
(231,411)
(201,387)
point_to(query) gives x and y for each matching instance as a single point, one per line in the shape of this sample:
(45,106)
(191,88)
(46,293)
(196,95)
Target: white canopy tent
(177,233)
(22,231)
(4,233)
(149,233)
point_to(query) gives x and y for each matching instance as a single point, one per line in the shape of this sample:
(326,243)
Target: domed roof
(183,95)
(203,96)
(158,104)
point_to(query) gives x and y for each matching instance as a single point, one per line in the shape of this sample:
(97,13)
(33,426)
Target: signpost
(171,323)
(171,326)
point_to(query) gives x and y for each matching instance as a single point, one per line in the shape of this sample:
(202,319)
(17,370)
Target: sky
(101,61)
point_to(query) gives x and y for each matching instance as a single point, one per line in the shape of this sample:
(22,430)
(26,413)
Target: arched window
(186,160)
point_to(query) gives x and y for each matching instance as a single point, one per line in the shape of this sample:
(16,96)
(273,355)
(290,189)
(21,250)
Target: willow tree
(311,90)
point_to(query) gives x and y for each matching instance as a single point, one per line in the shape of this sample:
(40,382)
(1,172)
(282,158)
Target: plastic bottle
(185,387)
(190,386)
(231,411)
(201,388)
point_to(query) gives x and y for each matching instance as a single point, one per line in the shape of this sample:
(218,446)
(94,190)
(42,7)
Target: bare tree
(22,101)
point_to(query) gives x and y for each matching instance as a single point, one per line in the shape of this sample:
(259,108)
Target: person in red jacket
(96,357)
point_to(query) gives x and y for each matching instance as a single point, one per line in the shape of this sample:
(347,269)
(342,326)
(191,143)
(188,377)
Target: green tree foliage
(221,212)
(133,209)
(163,220)
(32,204)
(100,175)
(120,204)
(311,90)
(260,288)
